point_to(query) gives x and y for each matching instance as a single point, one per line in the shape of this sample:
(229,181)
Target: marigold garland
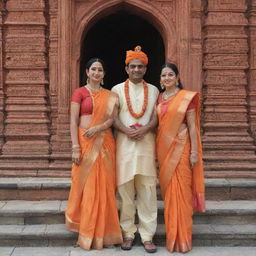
(128,100)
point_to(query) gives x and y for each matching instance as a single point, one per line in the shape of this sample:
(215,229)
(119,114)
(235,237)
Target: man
(136,170)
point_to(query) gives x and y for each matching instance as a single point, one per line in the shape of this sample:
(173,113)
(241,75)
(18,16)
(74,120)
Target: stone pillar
(1,78)
(229,149)
(26,149)
(252,66)
(60,85)
(195,67)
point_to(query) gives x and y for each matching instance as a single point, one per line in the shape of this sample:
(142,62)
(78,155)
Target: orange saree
(91,208)
(182,188)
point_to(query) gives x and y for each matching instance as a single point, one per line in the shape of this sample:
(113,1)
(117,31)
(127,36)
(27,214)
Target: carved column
(60,85)
(252,66)
(195,64)
(1,78)
(229,150)
(26,151)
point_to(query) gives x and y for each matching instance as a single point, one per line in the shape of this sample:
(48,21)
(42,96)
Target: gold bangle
(75,146)
(76,149)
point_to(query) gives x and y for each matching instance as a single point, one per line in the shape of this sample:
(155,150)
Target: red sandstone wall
(39,45)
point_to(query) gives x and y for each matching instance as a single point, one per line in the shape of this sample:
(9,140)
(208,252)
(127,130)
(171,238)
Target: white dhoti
(144,188)
(136,169)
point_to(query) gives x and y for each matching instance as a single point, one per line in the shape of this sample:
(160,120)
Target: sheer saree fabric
(91,208)
(182,188)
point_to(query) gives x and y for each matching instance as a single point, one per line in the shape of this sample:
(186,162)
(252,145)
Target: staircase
(32,215)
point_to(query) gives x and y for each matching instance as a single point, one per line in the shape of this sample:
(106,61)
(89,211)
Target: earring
(177,82)
(162,86)
(102,82)
(88,80)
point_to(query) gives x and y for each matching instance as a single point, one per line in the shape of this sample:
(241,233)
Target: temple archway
(111,36)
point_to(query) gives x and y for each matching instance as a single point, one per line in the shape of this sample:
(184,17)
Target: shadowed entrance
(112,36)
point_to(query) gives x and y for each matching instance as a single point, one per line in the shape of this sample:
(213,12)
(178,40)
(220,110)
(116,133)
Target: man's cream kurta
(135,157)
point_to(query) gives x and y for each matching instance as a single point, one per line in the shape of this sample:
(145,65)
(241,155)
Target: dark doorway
(112,36)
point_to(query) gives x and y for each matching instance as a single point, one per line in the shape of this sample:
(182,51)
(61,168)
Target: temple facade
(44,45)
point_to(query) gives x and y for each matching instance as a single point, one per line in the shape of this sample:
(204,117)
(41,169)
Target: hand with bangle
(76,154)
(193,158)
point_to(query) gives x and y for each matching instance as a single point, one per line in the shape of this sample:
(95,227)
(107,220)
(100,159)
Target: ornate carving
(24,5)
(25,44)
(227,5)
(29,18)
(25,76)
(1,79)
(22,31)
(25,60)
(28,90)
(225,77)
(219,61)
(168,8)
(226,46)
(225,32)
(226,18)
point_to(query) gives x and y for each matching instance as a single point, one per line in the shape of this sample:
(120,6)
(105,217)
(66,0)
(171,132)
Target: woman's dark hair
(174,68)
(92,60)
(88,65)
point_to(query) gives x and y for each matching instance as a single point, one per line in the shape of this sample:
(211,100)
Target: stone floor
(138,251)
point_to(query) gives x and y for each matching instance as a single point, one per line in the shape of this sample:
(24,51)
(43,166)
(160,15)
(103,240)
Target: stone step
(217,158)
(137,250)
(58,188)
(58,235)
(230,174)
(237,166)
(225,126)
(244,153)
(52,212)
(231,133)
(223,139)
(229,147)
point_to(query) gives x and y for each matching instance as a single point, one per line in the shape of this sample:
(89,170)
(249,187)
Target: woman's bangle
(75,146)
(193,152)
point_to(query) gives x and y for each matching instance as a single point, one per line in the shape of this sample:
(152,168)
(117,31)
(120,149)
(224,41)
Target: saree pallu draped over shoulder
(91,209)
(182,188)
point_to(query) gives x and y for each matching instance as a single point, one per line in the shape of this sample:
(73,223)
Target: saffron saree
(182,188)
(91,209)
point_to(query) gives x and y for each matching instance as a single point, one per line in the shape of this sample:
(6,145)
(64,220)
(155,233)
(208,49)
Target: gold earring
(177,82)
(88,80)
(162,86)
(102,82)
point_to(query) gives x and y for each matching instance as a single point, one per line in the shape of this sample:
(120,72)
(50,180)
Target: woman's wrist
(193,152)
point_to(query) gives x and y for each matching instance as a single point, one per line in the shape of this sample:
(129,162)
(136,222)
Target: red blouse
(165,105)
(82,96)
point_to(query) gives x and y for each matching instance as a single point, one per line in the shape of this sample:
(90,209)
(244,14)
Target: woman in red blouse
(179,154)
(91,209)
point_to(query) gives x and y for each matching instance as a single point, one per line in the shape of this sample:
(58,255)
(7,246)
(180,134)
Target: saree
(182,188)
(91,209)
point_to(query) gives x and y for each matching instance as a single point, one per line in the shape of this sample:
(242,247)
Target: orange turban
(136,54)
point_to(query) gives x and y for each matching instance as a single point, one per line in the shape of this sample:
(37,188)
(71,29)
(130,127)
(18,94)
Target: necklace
(93,89)
(168,95)
(128,100)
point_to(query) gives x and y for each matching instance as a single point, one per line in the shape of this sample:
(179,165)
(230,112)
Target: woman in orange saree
(91,209)
(179,154)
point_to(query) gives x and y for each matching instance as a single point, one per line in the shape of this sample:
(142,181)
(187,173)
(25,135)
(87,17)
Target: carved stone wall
(2,6)
(26,124)
(228,144)
(212,41)
(252,65)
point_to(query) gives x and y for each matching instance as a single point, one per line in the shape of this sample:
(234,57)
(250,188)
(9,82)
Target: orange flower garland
(128,100)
